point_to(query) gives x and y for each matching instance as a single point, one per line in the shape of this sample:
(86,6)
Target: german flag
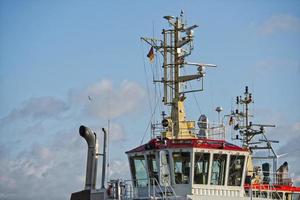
(150,55)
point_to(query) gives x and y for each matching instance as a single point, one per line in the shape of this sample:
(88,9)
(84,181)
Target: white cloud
(108,102)
(56,159)
(40,169)
(296,127)
(36,108)
(100,99)
(119,169)
(117,132)
(58,166)
(8,182)
(280,23)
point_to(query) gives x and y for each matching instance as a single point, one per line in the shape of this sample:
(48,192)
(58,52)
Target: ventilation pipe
(92,157)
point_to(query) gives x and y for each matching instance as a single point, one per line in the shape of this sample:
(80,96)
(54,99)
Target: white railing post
(153,182)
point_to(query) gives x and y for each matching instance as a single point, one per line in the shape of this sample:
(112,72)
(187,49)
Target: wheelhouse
(190,166)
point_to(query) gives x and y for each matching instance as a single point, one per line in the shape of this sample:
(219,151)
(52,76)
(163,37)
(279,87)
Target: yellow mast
(175,48)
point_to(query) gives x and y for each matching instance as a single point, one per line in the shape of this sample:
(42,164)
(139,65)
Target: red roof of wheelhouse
(156,144)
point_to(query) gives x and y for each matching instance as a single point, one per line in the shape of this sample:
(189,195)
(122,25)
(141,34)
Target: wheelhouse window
(277,195)
(201,168)
(182,165)
(218,169)
(295,196)
(152,168)
(236,166)
(138,170)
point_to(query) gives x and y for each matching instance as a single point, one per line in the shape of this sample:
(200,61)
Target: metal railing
(151,190)
(264,191)
(215,131)
(274,178)
(266,186)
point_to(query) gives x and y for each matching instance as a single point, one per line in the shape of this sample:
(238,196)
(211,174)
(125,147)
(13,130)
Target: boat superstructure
(191,159)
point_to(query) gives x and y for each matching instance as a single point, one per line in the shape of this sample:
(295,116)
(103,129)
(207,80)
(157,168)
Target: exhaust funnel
(92,156)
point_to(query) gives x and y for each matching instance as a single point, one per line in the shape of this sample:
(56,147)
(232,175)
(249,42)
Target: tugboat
(188,159)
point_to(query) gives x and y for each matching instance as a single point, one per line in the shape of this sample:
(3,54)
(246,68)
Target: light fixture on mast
(219,110)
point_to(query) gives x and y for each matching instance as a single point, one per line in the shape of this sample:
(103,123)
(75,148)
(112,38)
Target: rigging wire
(195,98)
(157,89)
(149,123)
(152,110)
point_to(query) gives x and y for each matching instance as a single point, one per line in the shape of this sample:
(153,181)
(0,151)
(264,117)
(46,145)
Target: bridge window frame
(218,168)
(182,167)
(138,170)
(236,170)
(201,167)
(152,166)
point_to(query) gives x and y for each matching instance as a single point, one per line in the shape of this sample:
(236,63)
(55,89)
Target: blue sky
(54,54)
